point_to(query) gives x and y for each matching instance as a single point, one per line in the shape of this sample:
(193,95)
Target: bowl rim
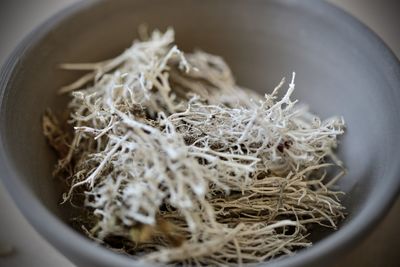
(56,230)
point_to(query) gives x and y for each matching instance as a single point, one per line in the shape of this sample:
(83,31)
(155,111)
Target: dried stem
(178,164)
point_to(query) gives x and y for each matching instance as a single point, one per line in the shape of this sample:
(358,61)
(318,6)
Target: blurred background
(20,245)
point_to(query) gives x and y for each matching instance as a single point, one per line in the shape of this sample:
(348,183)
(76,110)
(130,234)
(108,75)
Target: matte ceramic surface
(342,68)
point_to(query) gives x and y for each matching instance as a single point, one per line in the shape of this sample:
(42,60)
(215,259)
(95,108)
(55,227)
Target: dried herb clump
(178,164)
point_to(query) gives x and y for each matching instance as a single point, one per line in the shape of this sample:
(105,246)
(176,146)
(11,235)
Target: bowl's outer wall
(341,70)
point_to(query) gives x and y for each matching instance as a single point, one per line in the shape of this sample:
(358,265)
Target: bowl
(342,68)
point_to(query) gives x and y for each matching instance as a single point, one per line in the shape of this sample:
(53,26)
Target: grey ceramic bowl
(342,68)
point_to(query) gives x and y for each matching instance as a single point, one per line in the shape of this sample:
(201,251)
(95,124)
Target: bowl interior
(338,73)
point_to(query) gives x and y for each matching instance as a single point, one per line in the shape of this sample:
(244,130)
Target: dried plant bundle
(173,162)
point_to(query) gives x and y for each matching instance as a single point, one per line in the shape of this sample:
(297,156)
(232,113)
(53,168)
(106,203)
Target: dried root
(178,164)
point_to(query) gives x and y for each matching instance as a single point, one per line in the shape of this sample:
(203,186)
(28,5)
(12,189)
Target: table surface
(18,17)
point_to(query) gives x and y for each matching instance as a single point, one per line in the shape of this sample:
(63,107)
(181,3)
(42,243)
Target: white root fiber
(175,163)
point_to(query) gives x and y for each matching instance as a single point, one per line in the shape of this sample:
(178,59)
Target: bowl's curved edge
(359,228)
(36,213)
